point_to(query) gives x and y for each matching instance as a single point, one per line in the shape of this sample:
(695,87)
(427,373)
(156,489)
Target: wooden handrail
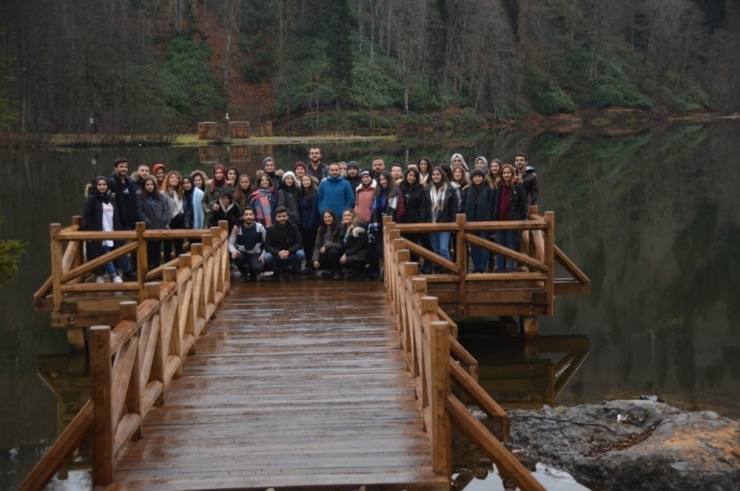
(425,338)
(131,363)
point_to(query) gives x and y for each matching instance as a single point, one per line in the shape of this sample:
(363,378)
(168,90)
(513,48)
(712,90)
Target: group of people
(315,217)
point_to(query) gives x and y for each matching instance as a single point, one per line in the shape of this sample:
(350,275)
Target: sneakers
(99,279)
(117,279)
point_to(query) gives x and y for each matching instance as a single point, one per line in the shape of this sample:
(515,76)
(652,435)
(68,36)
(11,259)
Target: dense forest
(162,65)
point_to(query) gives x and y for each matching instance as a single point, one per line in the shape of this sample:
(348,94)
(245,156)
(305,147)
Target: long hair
(430,164)
(203,177)
(491,177)
(464,180)
(155,192)
(355,218)
(239,193)
(500,179)
(416,173)
(177,189)
(392,189)
(308,192)
(334,223)
(444,180)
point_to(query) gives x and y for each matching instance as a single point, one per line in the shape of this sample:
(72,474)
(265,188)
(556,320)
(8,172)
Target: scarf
(438,200)
(217,184)
(261,202)
(504,199)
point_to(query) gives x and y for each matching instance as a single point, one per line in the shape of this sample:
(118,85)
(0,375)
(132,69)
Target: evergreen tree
(339,48)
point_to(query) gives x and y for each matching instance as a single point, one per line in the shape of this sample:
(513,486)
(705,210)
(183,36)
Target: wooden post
(226,270)
(142,261)
(461,252)
(101,395)
(268,128)
(153,291)
(77,220)
(56,265)
(439,352)
(550,261)
(127,312)
(530,326)
(199,302)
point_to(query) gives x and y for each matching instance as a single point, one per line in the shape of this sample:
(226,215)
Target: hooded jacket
(154,212)
(354,241)
(287,196)
(231,213)
(335,194)
(531,185)
(364,201)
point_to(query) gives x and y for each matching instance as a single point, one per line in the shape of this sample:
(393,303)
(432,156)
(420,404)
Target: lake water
(652,218)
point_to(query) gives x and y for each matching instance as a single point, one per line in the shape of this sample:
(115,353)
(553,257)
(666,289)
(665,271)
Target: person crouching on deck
(354,244)
(283,245)
(247,246)
(328,247)
(225,209)
(508,202)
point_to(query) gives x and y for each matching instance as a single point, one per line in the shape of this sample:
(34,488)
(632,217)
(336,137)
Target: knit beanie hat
(299,164)
(288,174)
(353,164)
(478,172)
(365,172)
(266,160)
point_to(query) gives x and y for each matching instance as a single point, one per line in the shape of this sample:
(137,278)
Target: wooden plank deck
(298,385)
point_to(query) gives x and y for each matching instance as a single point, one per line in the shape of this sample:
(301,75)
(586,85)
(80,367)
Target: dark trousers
(177,223)
(153,253)
(358,266)
(249,263)
(330,259)
(308,236)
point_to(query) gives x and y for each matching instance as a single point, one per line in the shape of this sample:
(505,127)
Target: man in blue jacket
(335,193)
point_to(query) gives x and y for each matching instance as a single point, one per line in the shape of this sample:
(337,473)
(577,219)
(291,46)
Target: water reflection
(519,372)
(652,218)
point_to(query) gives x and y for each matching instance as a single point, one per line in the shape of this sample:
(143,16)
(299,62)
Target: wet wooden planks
(297,385)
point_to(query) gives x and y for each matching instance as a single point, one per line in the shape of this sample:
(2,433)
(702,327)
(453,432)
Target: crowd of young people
(317,217)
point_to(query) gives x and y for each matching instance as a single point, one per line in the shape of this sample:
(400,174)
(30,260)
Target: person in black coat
(287,196)
(328,248)
(283,245)
(508,203)
(153,209)
(477,209)
(417,209)
(225,208)
(353,236)
(100,213)
(123,191)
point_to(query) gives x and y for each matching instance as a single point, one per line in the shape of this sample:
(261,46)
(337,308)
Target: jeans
(274,263)
(506,238)
(480,255)
(441,243)
(109,267)
(249,263)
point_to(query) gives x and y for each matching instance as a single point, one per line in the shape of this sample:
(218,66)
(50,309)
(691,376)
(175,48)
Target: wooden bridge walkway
(299,384)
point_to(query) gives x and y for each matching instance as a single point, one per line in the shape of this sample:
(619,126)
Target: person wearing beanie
(477,209)
(287,197)
(300,170)
(270,168)
(159,171)
(364,194)
(353,174)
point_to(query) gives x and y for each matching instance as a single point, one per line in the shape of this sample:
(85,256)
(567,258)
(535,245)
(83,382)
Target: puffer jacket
(288,197)
(154,212)
(354,241)
(517,203)
(364,201)
(450,207)
(416,204)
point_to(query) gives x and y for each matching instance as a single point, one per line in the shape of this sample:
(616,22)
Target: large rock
(656,447)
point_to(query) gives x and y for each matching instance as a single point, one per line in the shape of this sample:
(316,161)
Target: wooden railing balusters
(101,396)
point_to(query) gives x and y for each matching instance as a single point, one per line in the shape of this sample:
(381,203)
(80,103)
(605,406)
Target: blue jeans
(480,255)
(274,263)
(441,243)
(506,238)
(109,267)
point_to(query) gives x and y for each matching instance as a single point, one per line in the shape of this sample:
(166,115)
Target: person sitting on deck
(283,245)
(247,246)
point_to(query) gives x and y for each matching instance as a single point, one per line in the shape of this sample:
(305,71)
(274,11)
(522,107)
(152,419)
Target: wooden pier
(302,385)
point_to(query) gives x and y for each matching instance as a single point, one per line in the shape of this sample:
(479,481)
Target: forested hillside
(162,65)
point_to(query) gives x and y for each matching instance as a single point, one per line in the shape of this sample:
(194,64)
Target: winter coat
(354,242)
(531,185)
(276,177)
(237,245)
(333,243)
(450,207)
(124,194)
(364,201)
(232,214)
(308,209)
(198,219)
(154,212)
(416,204)
(517,203)
(477,209)
(335,194)
(321,172)
(288,197)
(92,220)
(274,237)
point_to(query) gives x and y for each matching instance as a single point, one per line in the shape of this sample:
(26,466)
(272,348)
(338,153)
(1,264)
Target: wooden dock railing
(433,354)
(530,291)
(132,363)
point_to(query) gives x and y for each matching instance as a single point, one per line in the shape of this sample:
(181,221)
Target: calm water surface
(653,219)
